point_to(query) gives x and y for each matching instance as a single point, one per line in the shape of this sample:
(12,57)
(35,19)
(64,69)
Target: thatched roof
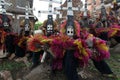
(22,3)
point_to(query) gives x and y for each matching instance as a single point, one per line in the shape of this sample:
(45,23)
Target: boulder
(42,72)
(115,49)
(6,75)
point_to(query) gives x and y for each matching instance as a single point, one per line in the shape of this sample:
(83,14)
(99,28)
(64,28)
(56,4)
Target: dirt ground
(19,70)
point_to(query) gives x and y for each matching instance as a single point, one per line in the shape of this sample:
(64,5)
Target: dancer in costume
(21,41)
(100,65)
(49,28)
(71,55)
(2,37)
(114,31)
(70,63)
(20,47)
(8,36)
(2,33)
(66,47)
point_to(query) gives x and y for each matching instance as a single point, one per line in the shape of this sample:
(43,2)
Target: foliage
(11,65)
(37,25)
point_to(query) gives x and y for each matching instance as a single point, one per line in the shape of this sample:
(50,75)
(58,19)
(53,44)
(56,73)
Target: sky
(43,5)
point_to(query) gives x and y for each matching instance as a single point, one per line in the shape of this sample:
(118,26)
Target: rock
(42,72)
(85,74)
(118,60)
(6,75)
(115,49)
(23,59)
(19,79)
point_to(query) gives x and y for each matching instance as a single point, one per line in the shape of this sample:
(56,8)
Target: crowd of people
(67,48)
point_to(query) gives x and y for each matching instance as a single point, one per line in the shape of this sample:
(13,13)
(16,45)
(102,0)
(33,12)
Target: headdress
(49,27)
(76,26)
(22,23)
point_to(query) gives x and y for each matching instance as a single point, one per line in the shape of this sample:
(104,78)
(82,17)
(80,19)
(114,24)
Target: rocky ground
(19,71)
